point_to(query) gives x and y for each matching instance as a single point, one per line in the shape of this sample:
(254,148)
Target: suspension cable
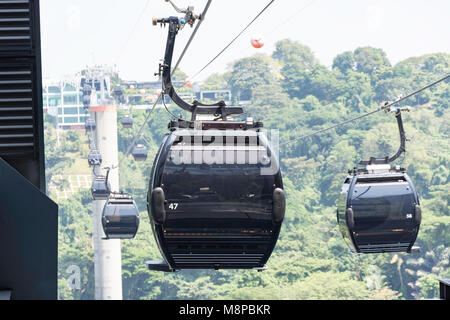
(92,136)
(192,36)
(133,30)
(384,107)
(140,132)
(287,20)
(167,109)
(232,41)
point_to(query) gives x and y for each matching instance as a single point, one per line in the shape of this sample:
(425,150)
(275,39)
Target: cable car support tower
(104,140)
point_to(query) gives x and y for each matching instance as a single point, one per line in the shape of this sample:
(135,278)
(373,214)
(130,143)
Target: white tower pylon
(107,253)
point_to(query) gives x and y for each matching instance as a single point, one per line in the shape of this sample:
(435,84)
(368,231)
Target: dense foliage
(295,94)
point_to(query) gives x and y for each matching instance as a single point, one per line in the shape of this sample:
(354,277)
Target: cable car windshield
(127,215)
(216,183)
(383,202)
(223,182)
(120,219)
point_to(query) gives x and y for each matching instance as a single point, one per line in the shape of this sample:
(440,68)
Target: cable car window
(218,183)
(127,216)
(388,201)
(236,181)
(120,218)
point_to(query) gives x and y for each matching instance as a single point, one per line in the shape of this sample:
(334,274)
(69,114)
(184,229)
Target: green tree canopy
(344,62)
(369,60)
(289,52)
(251,73)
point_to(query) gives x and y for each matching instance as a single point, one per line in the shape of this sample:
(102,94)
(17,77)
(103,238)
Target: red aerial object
(257,42)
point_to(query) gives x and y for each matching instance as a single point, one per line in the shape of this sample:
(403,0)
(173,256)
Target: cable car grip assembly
(402,148)
(218,109)
(189,17)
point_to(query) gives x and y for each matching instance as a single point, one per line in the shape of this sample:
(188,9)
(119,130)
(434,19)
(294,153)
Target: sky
(78,33)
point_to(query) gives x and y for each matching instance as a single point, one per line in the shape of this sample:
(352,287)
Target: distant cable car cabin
(118,91)
(127,122)
(87,92)
(90,125)
(119,94)
(139,153)
(101,188)
(95,158)
(120,218)
(378,208)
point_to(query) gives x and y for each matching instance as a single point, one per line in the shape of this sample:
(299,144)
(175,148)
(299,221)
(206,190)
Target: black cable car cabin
(378,208)
(101,188)
(216,216)
(127,122)
(120,219)
(118,91)
(95,158)
(379,212)
(87,92)
(139,153)
(225,210)
(119,94)
(90,125)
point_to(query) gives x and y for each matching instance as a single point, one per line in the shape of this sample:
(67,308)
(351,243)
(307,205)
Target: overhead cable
(384,107)
(232,41)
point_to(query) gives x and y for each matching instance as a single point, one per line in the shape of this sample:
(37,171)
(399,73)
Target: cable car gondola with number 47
(216,198)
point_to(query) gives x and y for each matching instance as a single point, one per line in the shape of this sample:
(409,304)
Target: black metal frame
(218,109)
(402,149)
(28,237)
(31,164)
(39,114)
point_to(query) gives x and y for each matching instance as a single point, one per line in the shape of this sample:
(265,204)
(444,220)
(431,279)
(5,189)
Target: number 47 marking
(173,206)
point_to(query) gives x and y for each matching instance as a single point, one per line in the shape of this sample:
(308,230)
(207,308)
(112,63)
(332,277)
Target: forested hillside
(293,93)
